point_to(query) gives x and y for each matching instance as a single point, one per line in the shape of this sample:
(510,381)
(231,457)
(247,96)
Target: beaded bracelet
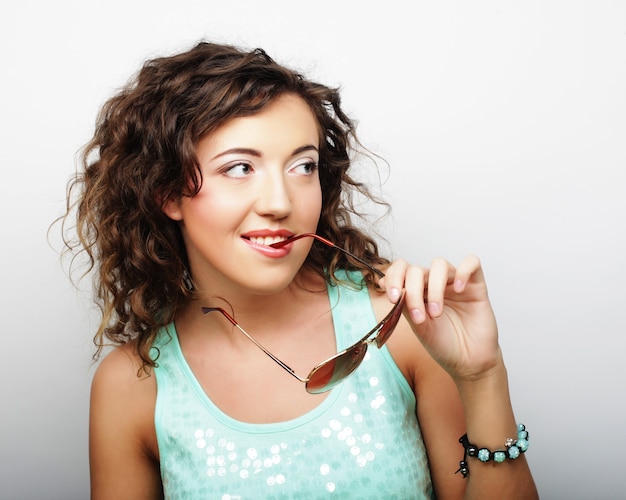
(514,448)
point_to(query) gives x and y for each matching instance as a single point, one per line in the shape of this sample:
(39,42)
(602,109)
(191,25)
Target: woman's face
(260,185)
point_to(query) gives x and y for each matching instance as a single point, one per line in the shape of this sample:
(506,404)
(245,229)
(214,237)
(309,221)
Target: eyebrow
(257,153)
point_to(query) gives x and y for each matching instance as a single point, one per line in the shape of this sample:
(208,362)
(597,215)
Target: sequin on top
(363,441)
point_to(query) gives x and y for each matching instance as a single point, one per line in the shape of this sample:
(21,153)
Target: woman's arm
(449,312)
(122,439)
(483,410)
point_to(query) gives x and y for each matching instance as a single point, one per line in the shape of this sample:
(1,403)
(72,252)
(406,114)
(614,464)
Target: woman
(215,208)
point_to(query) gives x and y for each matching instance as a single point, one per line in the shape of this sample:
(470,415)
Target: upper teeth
(266,240)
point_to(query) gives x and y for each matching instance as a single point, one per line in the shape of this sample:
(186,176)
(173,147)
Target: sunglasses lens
(327,375)
(390,324)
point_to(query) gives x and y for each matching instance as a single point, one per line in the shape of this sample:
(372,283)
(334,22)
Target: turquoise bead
(483,455)
(514,452)
(522,444)
(499,456)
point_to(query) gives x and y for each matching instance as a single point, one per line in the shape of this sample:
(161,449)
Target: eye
(304,168)
(238,170)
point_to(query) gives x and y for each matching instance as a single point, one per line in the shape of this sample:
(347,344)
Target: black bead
(463,468)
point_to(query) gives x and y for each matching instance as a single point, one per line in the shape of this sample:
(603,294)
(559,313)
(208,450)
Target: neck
(255,312)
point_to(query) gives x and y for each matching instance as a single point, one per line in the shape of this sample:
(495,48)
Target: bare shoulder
(122,438)
(120,379)
(118,363)
(122,389)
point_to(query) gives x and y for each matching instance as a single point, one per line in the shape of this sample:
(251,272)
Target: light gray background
(504,125)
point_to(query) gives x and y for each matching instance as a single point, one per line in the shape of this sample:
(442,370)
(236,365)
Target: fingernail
(433,308)
(394,294)
(417,315)
(458,285)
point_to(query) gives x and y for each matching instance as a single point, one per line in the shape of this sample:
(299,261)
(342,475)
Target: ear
(172,209)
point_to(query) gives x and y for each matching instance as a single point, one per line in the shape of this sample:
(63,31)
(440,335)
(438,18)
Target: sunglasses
(335,369)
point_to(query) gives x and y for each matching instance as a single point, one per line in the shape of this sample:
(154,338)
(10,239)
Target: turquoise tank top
(363,441)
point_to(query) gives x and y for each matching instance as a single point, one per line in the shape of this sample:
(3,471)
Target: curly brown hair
(143,154)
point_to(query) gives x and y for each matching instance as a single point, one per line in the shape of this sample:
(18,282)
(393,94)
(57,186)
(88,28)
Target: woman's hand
(449,311)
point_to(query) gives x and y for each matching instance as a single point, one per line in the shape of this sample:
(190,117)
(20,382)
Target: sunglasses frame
(359,347)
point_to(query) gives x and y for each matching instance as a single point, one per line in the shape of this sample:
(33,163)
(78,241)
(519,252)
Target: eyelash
(231,167)
(313,166)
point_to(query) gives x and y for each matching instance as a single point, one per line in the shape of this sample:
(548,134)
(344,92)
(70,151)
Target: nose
(274,198)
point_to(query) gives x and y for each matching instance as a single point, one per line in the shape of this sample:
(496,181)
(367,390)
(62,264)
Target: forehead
(287,121)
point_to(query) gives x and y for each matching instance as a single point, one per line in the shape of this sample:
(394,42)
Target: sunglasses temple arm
(287,368)
(317,237)
(378,272)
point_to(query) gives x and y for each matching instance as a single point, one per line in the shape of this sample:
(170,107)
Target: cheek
(208,213)
(213,202)
(310,205)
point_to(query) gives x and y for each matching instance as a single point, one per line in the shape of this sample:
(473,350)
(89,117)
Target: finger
(441,274)
(415,282)
(469,269)
(393,282)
